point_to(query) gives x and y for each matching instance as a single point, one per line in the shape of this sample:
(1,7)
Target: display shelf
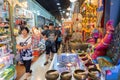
(14,77)
(5,42)
(3,33)
(8,69)
(6,59)
(2,70)
(8,53)
(23,18)
(4,26)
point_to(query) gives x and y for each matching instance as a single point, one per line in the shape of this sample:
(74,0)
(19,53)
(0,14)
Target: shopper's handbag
(26,54)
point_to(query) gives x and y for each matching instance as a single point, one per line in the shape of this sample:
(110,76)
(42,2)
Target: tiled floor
(38,69)
(21,70)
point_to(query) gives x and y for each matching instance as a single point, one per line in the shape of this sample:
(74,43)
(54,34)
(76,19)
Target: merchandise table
(68,62)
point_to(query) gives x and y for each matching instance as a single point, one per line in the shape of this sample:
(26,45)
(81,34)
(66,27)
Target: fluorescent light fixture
(58,4)
(60,10)
(73,0)
(62,18)
(59,7)
(69,18)
(68,8)
(63,11)
(67,14)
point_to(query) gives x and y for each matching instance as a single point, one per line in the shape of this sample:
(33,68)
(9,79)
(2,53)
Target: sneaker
(46,63)
(51,59)
(30,71)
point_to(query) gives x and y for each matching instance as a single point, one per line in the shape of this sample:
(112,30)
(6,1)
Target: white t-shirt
(20,39)
(26,54)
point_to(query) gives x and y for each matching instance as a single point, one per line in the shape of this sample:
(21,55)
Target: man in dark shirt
(59,38)
(50,38)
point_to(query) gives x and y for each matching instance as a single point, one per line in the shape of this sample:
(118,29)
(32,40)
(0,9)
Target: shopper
(21,25)
(59,38)
(24,48)
(50,38)
(45,31)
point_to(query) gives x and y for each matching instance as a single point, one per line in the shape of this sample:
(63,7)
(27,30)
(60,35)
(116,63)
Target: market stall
(67,66)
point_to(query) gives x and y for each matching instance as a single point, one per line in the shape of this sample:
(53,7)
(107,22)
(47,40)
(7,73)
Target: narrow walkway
(38,69)
(21,70)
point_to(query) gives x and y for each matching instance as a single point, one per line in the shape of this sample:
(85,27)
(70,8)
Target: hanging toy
(103,45)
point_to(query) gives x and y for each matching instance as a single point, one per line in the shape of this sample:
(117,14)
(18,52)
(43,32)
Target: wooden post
(13,40)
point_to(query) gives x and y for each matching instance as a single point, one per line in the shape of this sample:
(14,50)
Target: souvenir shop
(90,55)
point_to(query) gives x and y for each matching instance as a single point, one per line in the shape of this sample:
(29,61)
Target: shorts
(50,47)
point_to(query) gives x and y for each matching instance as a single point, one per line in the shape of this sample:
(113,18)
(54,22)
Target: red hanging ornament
(77,19)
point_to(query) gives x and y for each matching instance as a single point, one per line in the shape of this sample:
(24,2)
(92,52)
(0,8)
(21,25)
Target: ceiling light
(68,8)
(73,0)
(60,10)
(63,11)
(62,18)
(59,7)
(69,18)
(58,4)
(67,14)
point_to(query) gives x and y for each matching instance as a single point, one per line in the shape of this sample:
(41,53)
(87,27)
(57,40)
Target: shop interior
(89,49)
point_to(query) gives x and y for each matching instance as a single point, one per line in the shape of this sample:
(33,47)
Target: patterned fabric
(26,54)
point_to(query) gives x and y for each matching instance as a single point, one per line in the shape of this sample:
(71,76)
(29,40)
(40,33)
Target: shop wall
(107,11)
(112,11)
(38,10)
(40,21)
(115,11)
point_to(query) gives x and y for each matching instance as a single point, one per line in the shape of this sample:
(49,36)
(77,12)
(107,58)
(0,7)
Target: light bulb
(73,0)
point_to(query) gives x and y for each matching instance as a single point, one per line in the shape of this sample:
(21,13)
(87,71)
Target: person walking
(50,38)
(59,38)
(25,50)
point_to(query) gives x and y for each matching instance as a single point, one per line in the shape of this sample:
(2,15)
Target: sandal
(30,71)
(46,63)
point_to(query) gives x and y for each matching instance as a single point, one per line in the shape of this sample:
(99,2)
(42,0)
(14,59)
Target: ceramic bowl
(90,65)
(65,76)
(82,56)
(94,73)
(52,75)
(80,74)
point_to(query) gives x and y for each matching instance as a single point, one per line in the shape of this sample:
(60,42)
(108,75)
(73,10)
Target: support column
(13,40)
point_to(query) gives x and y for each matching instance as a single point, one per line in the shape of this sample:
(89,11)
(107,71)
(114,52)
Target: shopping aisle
(38,69)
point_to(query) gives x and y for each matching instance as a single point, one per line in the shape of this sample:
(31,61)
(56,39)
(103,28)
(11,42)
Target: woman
(24,47)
